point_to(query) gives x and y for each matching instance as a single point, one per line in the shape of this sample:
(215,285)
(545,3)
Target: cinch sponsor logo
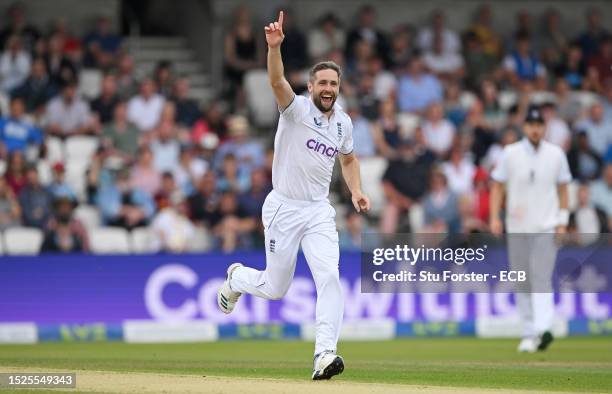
(321,148)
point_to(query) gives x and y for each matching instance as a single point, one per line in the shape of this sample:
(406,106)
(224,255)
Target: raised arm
(276,72)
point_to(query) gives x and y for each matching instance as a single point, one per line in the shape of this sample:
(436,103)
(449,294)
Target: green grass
(572,364)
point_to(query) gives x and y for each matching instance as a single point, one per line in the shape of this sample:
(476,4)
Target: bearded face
(324,89)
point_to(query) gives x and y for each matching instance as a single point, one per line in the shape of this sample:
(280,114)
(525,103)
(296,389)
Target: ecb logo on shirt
(317,122)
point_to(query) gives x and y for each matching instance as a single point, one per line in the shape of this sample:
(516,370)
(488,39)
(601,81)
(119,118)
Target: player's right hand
(496,227)
(274,32)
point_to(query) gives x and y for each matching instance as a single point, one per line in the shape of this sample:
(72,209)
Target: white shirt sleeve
(347,146)
(297,109)
(509,64)
(500,171)
(565,175)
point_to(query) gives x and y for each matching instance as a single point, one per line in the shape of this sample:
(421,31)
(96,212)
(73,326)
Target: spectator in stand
(15,171)
(459,172)
(204,202)
(568,107)
(439,133)
(524,27)
(174,233)
(243,51)
(187,109)
(366,97)
(232,226)
(164,78)
(449,40)
(602,60)
(127,86)
(213,121)
(37,89)
(231,178)
(249,152)
(59,187)
(607,100)
(64,233)
(120,136)
(366,30)
(101,45)
(60,67)
(494,116)
(417,89)
(557,131)
(252,200)
(401,191)
(573,68)
(482,195)
(598,128)
(167,189)
(35,201)
(10,211)
(553,41)
(104,105)
(144,110)
(189,169)
(523,65)
(363,133)
(479,64)
(15,65)
(387,133)
(584,162)
(124,205)
(402,46)
(165,147)
(601,193)
(454,105)
(587,218)
(480,130)
(294,48)
(446,65)
(484,34)
(385,82)
(72,44)
(493,153)
(17,134)
(595,33)
(350,239)
(68,114)
(19,26)
(144,175)
(441,206)
(325,37)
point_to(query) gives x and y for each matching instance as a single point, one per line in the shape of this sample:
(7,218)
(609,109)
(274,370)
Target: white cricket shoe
(528,345)
(326,365)
(226,297)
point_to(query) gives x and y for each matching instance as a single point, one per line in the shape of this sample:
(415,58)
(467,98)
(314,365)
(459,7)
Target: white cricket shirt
(531,177)
(305,149)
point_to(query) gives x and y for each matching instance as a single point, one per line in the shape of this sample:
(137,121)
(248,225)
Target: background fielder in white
(533,174)
(311,133)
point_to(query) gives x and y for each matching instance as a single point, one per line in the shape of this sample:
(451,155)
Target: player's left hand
(361,202)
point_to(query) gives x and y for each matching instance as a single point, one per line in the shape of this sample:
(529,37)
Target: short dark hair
(327,65)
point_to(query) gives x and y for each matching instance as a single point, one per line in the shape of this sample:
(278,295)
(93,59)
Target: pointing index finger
(281,16)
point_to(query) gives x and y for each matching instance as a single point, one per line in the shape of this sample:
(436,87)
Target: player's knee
(277,294)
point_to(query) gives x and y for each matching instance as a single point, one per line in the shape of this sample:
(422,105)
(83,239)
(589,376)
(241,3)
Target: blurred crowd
(438,105)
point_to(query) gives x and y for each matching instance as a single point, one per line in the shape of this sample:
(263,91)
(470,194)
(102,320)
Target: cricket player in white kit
(311,133)
(534,175)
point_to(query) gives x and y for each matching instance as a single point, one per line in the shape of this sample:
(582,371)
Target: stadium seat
(109,240)
(506,99)
(23,240)
(44,172)
(55,149)
(202,241)
(407,124)
(416,217)
(372,170)
(81,148)
(141,240)
(88,215)
(75,177)
(1,245)
(260,99)
(90,81)
(2,167)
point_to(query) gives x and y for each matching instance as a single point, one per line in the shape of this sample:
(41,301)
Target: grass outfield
(571,364)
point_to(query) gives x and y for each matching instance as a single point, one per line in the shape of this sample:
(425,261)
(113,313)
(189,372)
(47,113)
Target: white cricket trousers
(287,225)
(535,254)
